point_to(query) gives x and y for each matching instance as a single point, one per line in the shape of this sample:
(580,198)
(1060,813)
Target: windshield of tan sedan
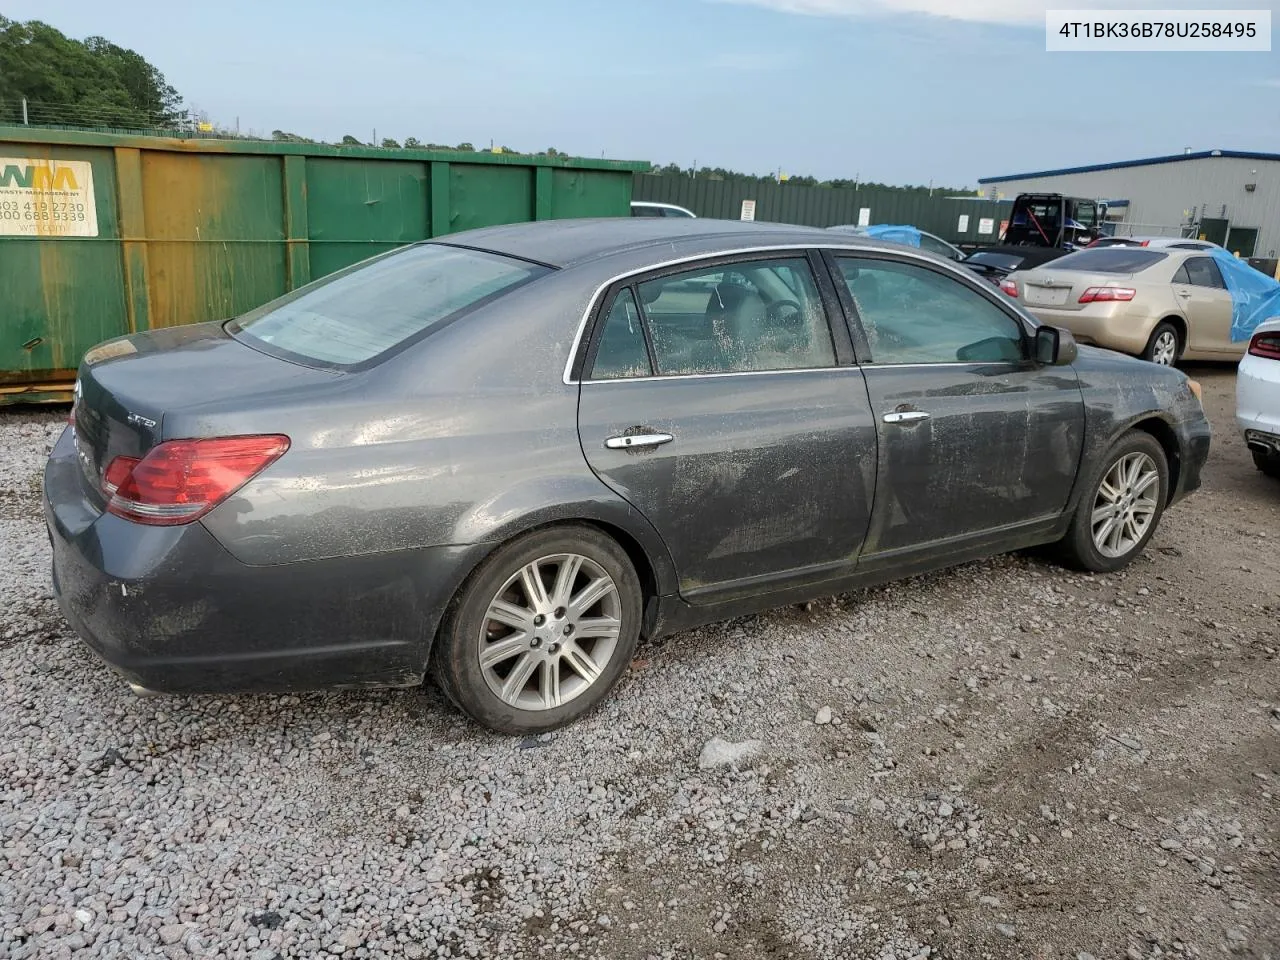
(367,310)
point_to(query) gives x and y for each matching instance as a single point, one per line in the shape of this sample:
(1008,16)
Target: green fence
(828,206)
(105,234)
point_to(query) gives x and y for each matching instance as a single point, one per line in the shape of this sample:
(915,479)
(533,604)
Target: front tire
(1164,346)
(541,632)
(1122,506)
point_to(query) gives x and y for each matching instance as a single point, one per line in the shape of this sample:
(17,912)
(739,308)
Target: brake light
(1265,345)
(179,481)
(1145,243)
(1107,294)
(117,473)
(1009,287)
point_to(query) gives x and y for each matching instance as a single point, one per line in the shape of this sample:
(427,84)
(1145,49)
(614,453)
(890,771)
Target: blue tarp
(1255,296)
(909,236)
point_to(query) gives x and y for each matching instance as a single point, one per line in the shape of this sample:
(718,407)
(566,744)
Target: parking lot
(1020,762)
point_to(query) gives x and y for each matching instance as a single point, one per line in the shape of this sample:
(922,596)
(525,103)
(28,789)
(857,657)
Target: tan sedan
(1162,305)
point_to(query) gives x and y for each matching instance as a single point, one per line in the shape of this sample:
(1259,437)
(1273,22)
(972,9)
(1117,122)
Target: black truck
(1042,227)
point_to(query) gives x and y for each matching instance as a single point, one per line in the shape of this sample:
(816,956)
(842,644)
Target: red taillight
(1107,294)
(181,480)
(1145,243)
(1009,287)
(1265,345)
(117,473)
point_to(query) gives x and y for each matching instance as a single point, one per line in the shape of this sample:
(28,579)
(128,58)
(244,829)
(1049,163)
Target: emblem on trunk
(140,420)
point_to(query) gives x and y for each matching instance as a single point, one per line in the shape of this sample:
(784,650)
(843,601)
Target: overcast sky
(901,91)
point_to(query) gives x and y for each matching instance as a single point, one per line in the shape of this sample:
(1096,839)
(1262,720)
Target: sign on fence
(986,225)
(963,225)
(864,217)
(46,198)
(748,210)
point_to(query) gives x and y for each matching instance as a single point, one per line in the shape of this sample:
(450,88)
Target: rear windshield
(367,310)
(1110,260)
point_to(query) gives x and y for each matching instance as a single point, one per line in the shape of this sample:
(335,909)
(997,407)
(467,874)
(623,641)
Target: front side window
(621,351)
(1203,272)
(357,314)
(764,315)
(911,314)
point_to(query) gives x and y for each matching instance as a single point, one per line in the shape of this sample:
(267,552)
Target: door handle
(1184,294)
(905,416)
(641,440)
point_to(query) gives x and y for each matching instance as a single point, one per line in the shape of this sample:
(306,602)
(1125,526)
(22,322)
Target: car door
(715,400)
(977,441)
(1207,305)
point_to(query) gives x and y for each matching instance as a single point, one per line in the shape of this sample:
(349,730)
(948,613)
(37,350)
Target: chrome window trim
(904,254)
(728,373)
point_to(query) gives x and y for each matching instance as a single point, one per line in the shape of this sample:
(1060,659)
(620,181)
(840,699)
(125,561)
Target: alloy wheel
(1125,505)
(550,632)
(1165,350)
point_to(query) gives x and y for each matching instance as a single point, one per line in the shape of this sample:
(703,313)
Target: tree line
(80,82)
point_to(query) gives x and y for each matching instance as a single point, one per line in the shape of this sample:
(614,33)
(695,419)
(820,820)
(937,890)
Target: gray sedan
(502,457)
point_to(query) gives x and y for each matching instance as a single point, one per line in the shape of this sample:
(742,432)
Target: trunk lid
(127,387)
(1061,290)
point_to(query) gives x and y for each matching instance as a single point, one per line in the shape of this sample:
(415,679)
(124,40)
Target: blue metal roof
(1149,161)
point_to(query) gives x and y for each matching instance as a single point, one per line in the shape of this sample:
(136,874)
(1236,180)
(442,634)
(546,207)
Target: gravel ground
(1006,760)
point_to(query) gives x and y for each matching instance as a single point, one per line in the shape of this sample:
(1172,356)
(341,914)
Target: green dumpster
(104,234)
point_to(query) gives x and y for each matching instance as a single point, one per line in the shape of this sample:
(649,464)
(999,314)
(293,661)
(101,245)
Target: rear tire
(541,632)
(1267,463)
(1121,507)
(1165,346)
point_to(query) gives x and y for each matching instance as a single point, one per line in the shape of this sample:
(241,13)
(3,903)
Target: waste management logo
(47,198)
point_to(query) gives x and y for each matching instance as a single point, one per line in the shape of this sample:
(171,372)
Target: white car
(648,208)
(1258,397)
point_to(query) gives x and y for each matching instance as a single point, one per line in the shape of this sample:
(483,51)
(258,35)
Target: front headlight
(1196,390)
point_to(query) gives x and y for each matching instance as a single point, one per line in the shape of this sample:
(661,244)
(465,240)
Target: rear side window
(370,309)
(1203,272)
(1110,260)
(749,316)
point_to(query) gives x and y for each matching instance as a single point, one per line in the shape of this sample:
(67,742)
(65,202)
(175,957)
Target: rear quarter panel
(469,436)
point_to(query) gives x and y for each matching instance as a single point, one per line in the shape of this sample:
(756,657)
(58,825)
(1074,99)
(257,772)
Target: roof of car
(565,243)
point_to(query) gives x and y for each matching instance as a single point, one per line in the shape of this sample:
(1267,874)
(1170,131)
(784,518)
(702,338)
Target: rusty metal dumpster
(103,234)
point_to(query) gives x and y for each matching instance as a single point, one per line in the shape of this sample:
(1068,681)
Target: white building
(1227,196)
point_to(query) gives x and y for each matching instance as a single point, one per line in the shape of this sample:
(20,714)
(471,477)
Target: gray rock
(723,753)
(1007,930)
(823,716)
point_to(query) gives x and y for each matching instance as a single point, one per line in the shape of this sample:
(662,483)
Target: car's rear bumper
(1258,403)
(1111,325)
(172,611)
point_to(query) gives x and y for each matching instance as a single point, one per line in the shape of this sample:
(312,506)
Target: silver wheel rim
(1125,505)
(550,632)
(1165,349)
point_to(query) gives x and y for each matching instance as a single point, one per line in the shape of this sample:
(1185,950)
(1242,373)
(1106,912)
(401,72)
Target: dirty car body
(734,478)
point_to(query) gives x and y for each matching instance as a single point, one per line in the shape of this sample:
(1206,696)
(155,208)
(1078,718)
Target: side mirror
(1055,347)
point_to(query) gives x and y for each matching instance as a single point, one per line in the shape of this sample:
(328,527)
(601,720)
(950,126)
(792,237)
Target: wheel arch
(1179,324)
